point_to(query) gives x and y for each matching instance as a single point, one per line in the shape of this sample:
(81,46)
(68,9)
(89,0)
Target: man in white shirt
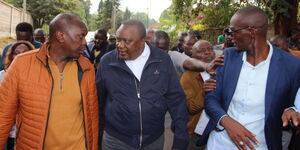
(181,61)
(257,83)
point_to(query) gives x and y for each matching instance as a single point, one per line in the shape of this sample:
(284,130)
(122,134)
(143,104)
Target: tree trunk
(284,23)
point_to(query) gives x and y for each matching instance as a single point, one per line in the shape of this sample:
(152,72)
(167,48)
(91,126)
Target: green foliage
(280,7)
(127,14)
(92,22)
(144,18)
(217,15)
(105,10)
(43,11)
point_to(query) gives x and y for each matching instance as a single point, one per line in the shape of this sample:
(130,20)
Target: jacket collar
(154,57)
(42,56)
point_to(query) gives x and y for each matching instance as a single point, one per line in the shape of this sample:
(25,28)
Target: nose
(120,44)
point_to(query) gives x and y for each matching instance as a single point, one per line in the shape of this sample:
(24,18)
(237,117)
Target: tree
(127,14)
(285,14)
(144,18)
(43,11)
(92,25)
(105,13)
(86,5)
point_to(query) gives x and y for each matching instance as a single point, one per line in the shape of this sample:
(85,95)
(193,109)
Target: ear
(60,36)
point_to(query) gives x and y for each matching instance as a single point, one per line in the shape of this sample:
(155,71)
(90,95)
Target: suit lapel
(274,75)
(231,77)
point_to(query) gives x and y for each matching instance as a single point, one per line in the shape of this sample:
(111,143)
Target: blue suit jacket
(282,84)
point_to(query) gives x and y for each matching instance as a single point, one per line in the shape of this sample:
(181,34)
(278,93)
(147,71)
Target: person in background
(179,42)
(24,31)
(112,39)
(16,49)
(192,84)
(281,42)
(98,47)
(195,33)
(294,39)
(39,35)
(180,61)
(149,34)
(188,43)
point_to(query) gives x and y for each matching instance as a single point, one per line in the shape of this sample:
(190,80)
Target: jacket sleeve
(177,108)
(101,92)
(194,96)
(213,99)
(8,101)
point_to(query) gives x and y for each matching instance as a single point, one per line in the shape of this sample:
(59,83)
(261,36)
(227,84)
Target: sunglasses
(231,31)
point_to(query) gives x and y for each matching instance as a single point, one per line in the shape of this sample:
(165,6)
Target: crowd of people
(114,93)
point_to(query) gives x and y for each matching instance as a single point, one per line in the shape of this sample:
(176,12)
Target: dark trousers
(10,144)
(111,143)
(193,143)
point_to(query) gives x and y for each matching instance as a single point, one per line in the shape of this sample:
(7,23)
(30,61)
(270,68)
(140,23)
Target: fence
(10,16)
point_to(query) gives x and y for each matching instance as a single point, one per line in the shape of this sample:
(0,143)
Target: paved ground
(168,133)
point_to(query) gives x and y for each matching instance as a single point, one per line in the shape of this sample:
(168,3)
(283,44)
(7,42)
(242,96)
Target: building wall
(10,16)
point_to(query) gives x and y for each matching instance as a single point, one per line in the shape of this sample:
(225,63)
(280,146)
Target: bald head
(203,51)
(64,21)
(252,16)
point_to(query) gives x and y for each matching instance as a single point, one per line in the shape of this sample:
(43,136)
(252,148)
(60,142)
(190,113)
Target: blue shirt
(247,105)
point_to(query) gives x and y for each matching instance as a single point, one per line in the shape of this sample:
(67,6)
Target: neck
(58,57)
(258,53)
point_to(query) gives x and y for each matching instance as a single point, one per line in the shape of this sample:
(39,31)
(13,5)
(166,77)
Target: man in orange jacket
(51,93)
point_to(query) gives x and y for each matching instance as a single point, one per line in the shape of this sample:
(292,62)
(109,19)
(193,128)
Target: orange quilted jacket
(25,95)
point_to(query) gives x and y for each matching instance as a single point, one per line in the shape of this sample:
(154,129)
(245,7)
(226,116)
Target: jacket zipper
(48,107)
(138,91)
(61,77)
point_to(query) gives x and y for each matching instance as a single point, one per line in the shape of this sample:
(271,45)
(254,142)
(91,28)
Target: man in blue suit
(257,83)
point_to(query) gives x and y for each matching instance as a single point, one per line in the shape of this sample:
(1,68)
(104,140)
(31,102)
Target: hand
(239,135)
(209,85)
(218,61)
(290,114)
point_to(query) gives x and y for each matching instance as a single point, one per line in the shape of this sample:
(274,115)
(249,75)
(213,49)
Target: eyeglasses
(231,31)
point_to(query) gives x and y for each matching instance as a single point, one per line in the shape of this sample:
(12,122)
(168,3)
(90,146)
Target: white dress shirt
(204,118)
(247,105)
(297,100)
(137,65)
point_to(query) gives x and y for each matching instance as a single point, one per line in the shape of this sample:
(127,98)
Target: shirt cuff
(220,127)
(294,108)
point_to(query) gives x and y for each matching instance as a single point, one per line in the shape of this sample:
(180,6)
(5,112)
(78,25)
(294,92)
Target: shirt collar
(146,51)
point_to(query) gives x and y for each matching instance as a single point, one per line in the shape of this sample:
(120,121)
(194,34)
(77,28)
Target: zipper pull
(138,95)
(61,80)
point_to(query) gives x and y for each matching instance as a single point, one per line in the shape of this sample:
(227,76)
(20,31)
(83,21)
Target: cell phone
(292,125)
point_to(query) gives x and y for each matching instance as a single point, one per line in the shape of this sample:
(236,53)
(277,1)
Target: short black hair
(101,31)
(160,35)
(24,27)
(195,33)
(138,24)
